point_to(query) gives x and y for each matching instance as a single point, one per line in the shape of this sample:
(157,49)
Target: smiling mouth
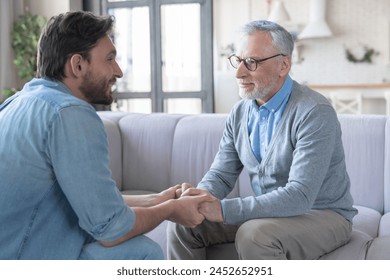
(245,85)
(112,86)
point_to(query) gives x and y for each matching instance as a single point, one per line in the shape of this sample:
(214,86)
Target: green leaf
(25,36)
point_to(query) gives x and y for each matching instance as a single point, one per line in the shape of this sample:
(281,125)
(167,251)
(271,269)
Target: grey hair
(282,40)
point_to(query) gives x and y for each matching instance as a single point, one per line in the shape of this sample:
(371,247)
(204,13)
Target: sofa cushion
(137,192)
(158,234)
(387,168)
(355,249)
(147,141)
(115,149)
(195,145)
(379,249)
(384,227)
(114,116)
(367,221)
(364,141)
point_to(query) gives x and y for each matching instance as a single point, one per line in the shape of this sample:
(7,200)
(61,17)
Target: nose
(117,70)
(241,70)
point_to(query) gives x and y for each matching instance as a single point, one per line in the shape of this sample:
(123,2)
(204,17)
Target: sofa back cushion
(387,167)
(364,144)
(147,142)
(114,148)
(195,145)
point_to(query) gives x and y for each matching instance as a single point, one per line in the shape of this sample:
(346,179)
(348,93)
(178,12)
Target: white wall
(50,8)
(355,23)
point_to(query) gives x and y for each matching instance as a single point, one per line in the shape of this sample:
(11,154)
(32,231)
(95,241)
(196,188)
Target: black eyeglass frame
(257,61)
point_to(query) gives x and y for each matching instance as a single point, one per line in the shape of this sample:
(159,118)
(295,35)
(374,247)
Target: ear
(77,65)
(285,66)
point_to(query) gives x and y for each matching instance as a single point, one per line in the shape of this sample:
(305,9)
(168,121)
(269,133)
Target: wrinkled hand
(211,209)
(186,210)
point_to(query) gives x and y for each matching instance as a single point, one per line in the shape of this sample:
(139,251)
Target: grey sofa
(150,152)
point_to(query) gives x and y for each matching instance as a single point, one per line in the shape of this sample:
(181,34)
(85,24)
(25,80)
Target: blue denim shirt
(55,184)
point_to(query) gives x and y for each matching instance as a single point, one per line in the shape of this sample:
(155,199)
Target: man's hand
(211,209)
(186,210)
(182,189)
(170,193)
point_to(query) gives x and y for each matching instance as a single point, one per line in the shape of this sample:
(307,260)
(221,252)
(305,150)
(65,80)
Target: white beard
(257,93)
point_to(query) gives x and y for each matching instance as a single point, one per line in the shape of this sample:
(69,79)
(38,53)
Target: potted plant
(24,39)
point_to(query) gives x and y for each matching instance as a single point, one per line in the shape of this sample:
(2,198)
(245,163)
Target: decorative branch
(367,56)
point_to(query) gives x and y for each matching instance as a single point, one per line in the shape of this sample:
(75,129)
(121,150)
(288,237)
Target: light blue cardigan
(303,168)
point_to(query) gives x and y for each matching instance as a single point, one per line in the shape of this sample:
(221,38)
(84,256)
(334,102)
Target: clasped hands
(195,205)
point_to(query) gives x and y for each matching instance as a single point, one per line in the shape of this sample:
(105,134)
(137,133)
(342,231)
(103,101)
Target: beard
(97,90)
(258,93)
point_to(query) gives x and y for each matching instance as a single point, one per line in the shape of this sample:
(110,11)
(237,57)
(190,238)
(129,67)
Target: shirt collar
(277,100)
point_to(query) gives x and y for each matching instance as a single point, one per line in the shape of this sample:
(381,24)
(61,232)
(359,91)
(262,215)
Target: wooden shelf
(379,86)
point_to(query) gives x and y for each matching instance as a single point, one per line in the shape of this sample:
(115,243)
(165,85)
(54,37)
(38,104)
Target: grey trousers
(308,236)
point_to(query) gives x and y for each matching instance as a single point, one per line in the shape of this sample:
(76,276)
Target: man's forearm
(145,200)
(149,200)
(147,218)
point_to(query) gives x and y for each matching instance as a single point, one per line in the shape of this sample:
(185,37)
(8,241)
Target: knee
(152,251)
(257,239)
(137,248)
(254,232)
(245,237)
(141,248)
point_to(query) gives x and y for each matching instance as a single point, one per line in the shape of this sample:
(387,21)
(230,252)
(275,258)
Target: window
(165,52)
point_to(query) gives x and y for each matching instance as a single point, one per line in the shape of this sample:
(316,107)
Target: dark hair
(68,34)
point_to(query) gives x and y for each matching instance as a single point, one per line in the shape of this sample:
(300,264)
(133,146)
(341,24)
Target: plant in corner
(24,40)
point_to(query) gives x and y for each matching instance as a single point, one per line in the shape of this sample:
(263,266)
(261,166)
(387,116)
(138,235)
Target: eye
(250,61)
(111,56)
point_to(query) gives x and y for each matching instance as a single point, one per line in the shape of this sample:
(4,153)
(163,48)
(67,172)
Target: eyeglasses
(250,63)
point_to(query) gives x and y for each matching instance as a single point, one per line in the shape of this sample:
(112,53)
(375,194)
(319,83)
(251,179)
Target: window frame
(157,95)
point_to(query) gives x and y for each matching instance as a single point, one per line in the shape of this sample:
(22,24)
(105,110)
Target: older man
(288,137)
